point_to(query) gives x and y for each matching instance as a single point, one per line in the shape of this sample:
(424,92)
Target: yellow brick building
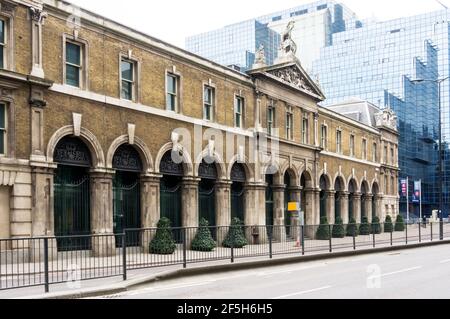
(104,128)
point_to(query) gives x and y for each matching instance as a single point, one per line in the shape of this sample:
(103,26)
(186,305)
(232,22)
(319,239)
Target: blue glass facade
(236,44)
(377,62)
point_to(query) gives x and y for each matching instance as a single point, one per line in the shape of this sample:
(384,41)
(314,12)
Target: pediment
(292,75)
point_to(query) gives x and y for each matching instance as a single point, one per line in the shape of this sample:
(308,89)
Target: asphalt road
(413,274)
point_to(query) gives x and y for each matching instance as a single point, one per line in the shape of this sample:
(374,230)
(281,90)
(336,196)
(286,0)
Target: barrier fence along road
(28,262)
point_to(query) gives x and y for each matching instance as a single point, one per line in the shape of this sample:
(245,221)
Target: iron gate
(171,203)
(72,207)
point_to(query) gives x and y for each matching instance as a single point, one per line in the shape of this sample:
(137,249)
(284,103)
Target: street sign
(293,207)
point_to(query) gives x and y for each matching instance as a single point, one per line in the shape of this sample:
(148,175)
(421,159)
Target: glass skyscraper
(379,62)
(236,44)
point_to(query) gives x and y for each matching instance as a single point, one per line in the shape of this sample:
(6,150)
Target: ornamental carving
(7,7)
(386,118)
(72,151)
(238,173)
(207,170)
(127,158)
(293,77)
(171,164)
(37,15)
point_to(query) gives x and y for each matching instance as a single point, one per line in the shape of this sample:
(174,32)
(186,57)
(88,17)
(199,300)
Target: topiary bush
(323,232)
(203,241)
(235,237)
(338,228)
(376,226)
(400,224)
(163,242)
(388,226)
(364,228)
(352,228)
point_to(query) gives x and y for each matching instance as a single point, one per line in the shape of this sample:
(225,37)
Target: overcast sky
(174,20)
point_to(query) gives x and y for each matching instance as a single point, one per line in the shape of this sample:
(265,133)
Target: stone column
(102,222)
(255,212)
(357,207)
(312,214)
(378,209)
(344,207)
(223,208)
(150,207)
(189,206)
(296,196)
(279,233)
(330,207)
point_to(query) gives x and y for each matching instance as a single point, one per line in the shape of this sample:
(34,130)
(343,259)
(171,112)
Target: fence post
(392,239)
(420,232)
(270,242)
(303,240)
(431,227)
(184,248)
(331,238)
(406,233)
(232,244)
(124,254)
(46,265)
(374,239)
(354,238)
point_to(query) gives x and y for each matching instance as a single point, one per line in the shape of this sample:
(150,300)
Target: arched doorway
(238,179)
(127,194)
(172,171)
(352,190)
(72,202)
(324,187)
(339,187)
(364,199)
(207,191)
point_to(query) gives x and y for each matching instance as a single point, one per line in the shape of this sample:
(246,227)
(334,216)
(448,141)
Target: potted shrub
(388,226)
(323,232)
(163,242)
(235,237)
(338,228)
(364,229)
(400,224)
(376,226)
(203,241)
(352,228)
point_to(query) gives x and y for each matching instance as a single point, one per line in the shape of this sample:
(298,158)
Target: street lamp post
(441,182)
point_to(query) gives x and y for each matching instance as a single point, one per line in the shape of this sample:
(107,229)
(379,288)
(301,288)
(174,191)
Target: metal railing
(28,262)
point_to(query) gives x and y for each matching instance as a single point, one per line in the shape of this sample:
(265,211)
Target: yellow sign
(293,207)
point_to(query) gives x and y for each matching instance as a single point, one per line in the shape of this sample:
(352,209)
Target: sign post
(417,198)
(405,192)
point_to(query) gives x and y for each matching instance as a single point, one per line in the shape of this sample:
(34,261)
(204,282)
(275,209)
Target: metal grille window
(238,111)
(289,123)
(172,92)
(127,69)
(305,129)
(2,129)
(324,137)
(270,119)
(208,100)
(352,145)
(2,44)
(339,142)
(73,64)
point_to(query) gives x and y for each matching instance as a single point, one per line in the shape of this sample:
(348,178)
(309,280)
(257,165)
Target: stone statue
(288,45)
(260,58)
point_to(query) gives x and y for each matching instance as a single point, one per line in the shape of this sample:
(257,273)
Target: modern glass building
(380,62)
(236,44)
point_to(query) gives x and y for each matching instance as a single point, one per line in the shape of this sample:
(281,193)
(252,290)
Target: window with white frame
(339,141)
(208,103)
(352,145)
(172,92)
(324,137)
(3,128)
(305,129)
(2,43)
(364,149)
(74,64)
(238,111)
(128,74)
(270,118)
(289,123)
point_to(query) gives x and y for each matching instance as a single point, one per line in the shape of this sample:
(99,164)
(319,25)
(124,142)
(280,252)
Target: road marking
(445,261)
(303,292)
(287,271)
(400,271)
(158,289)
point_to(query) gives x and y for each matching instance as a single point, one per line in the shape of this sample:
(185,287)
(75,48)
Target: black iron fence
(29,262)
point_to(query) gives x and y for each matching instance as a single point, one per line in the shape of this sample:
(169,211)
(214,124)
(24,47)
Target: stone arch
(248,171)
(140,147)
(365,187)
(307,175)
(375,188)
(353,179)
(340,184)
(221,168)
(328,182)
(293,174)
(98,157)
(187,161)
